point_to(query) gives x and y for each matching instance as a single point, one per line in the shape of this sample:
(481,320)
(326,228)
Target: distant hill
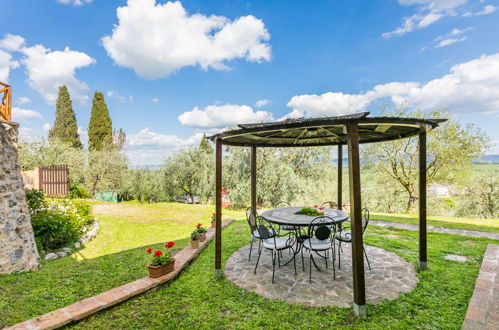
(487,159)
(145,167)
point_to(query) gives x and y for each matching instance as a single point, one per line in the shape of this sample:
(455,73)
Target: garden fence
(53,180)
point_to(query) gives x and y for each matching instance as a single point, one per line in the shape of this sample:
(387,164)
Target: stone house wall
(17,244)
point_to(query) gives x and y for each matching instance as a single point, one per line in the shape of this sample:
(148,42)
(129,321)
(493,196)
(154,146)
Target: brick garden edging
(92,305)
(483,309)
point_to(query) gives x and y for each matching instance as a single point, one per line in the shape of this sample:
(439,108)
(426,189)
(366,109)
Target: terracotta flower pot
(157,271)
(202,237)
(213,224)
(195,244)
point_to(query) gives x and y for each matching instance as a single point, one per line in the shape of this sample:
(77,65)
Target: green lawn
(488,225)
(196,300)
(115,257)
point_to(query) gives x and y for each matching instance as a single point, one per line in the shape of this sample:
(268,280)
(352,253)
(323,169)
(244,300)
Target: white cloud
(261,103)
(494,148)
(116,95)
(155,100)
(434,4)
(488,9)
(6,64)
(469,87)
(452,37)
(223,116)
(74,2)
(46,69)
(19,114)
(148,147)
(449,41)
(12,42)
(23,100)
(428,12)
(155,40)
(46,127)
(25,132)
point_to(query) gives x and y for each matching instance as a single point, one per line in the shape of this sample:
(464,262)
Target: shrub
(78,192)
(58,222)
(35,199)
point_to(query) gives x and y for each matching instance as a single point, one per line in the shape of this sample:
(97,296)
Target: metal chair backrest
(365,218)
(252,218)
(331,205)
(321,228)
(282,204)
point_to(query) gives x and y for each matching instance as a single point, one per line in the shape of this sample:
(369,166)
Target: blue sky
(172,71)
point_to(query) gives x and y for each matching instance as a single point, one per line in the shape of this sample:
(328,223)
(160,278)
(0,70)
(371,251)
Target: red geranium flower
(149,250)
(158,253)
(170,245)
(315,206)
(199,225)
(321,208)
(213,214)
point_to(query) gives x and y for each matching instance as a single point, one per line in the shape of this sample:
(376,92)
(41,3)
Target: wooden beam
(359,286)
(382,128)
(218,208)
(423,262)
(340,176)
(253,177)
(300,135)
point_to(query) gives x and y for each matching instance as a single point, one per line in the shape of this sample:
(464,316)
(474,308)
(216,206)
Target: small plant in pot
(214,219)
(202,232)
(195,239)
(161,263)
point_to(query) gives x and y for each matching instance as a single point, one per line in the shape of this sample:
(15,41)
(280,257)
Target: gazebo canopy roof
(325,131)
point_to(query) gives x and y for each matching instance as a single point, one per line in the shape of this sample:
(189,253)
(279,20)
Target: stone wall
(17,244)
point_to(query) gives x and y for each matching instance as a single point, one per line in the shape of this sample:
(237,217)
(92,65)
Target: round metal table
(286,216)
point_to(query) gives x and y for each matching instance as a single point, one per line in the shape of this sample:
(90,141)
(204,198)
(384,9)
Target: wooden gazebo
(350,130)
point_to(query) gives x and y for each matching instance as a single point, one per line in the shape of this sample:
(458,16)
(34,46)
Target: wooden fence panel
(54,180)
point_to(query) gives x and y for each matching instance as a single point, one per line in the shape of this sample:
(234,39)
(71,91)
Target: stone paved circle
(390,276)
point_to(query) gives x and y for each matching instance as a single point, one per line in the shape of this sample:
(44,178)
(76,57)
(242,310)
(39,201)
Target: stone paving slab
(92,305)
(433,229)
(483,309)
(390,276)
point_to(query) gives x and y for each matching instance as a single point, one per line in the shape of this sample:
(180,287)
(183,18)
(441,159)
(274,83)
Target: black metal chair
(253,221)
(321,233)
(284,204)
(330,204)
(275,243)
(345,236)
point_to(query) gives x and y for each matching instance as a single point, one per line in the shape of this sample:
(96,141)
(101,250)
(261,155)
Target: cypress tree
(100,128)
(205,145)
(65,128)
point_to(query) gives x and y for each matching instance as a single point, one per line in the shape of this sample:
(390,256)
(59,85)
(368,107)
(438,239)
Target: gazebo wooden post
(359,286)
(422,202)
(253,177)
(340,175)
(218,208)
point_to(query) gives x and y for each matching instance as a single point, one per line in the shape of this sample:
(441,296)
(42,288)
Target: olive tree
(450,149)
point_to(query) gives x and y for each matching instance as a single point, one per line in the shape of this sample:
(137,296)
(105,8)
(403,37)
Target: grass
(115,257)
(486,225)
(196,300)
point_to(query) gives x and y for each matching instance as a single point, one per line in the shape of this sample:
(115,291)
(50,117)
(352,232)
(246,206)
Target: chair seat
(256,234)
(344,236)
(281,243)
(316,245)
